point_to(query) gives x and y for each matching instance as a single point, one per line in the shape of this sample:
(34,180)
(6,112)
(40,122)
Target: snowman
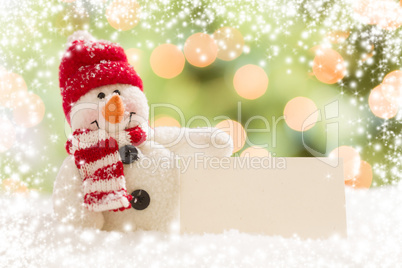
(120,174)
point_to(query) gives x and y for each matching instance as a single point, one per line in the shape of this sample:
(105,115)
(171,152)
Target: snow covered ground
(29,237)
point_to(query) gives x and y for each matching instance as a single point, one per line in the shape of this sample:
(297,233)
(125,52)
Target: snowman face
(112,108)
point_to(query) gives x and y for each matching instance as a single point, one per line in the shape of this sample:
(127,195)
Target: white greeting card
(271,196)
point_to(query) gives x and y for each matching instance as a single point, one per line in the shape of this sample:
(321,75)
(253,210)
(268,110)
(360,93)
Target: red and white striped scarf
(98,160)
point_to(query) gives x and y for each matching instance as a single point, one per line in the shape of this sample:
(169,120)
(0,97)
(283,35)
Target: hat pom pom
(80,35)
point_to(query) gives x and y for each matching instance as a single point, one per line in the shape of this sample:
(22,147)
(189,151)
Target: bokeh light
(123,14)
(165,121)
(167,61)
(328,65)
(387,14)
(300,113)
(36,38)
(200,50)
(236,132)
(255,151)
(29,110)
(135,57)
(14,186)
(250,81)
(368,55)
(351,161)
(336,37)
(380,106)
(364,178)
(230,43)
(11,86)
(392,87)
(7,134)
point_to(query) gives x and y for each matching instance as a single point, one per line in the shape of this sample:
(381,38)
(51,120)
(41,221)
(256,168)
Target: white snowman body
(156,172)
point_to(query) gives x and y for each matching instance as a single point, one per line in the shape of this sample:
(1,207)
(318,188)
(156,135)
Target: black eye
(117,91)
(101,95)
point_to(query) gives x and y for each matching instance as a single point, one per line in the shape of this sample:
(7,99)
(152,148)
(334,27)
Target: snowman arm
(68,204)
(188,141)
(136,135)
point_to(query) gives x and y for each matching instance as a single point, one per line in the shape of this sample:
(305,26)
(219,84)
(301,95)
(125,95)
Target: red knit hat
(90,64)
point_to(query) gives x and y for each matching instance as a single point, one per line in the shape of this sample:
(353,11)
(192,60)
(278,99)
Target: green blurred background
(34,34)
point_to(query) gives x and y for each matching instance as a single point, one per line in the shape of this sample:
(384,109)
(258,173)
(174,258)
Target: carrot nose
(113,110)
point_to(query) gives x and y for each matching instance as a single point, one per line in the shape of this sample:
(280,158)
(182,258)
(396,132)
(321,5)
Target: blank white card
(287,196)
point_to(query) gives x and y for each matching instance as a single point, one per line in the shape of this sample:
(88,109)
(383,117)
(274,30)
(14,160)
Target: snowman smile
(114,108)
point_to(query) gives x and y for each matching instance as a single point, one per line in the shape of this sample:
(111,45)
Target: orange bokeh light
(7,134)
(29,110)
(236,132)
(380,106)
(364,178)
(167,61)
(392,87)
(387,14)
(14,186)
(351,161)
(250,81)
(300,113)
(255,151)
(11,87)
(200,50)
(165,121)
(123,14)
(328,65)
(230,43)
